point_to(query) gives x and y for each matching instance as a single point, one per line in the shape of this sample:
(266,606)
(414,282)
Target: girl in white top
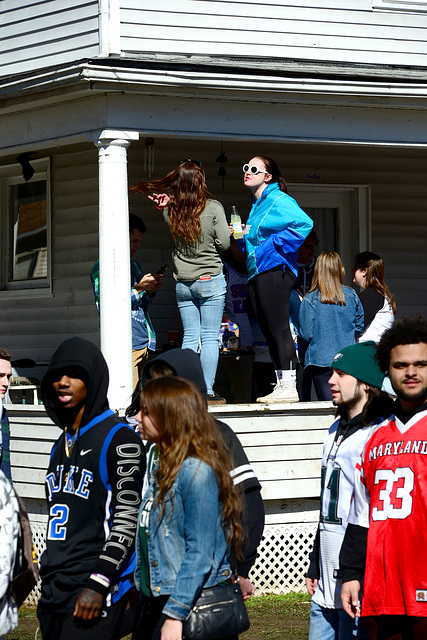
(378,303)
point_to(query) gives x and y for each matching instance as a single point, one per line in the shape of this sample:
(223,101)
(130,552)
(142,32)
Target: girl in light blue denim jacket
(189,517)
(331,317)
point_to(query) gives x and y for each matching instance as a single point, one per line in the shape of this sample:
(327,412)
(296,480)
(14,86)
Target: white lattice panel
(39,539)
(283,558)
(280,567)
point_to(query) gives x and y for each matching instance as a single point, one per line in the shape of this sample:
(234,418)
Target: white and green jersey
(341,452)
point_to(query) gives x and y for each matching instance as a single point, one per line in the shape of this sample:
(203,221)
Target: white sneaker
(284,391)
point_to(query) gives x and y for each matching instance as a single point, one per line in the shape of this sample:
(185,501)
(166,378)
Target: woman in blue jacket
(275,229)
(331,317)
(189,516)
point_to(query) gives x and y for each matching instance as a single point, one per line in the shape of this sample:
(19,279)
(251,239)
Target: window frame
(12,175)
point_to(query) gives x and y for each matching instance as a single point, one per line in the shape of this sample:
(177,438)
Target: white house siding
(284,447)
(34,35)
(39,34)
(340,31)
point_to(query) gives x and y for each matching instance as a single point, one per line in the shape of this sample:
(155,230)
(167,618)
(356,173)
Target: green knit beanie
(359,361)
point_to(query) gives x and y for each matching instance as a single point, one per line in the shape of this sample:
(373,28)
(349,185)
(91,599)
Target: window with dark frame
(25,243)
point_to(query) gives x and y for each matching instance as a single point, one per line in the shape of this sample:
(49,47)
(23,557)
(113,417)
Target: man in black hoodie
(93,488)
(186,364)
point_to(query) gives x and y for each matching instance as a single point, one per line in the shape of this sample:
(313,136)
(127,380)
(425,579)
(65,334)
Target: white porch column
(114,263)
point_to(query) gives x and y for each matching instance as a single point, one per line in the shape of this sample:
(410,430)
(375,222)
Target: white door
(341,216)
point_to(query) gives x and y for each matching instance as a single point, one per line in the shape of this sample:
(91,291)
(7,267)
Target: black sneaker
(214,398)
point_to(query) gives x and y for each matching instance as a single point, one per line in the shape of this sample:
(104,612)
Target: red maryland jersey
(391,498)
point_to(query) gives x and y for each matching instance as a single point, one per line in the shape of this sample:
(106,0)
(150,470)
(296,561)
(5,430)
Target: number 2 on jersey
(58,518)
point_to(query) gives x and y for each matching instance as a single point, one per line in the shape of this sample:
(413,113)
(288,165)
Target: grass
(278,617)
(272,618)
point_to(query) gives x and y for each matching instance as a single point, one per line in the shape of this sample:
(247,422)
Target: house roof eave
(290,81)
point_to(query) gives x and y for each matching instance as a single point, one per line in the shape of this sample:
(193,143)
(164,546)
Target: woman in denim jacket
(331,317)
(188,520)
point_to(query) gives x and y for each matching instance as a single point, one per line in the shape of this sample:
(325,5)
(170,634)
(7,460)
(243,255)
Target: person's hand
(350,598)
(150,282)
(161,200)
(171,630)
(246,587)
(311,584)
(88,605)
(230,226)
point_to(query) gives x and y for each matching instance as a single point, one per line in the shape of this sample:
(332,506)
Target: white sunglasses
(253,169)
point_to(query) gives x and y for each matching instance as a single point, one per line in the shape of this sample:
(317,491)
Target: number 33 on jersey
(391,499)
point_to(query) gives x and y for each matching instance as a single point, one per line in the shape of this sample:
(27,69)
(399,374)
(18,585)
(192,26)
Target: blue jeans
(201,305)
(334,624)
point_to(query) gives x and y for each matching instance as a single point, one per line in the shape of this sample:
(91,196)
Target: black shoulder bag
(219,612)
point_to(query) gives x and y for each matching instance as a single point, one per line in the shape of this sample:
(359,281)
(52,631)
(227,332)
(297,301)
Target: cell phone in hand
(162,269)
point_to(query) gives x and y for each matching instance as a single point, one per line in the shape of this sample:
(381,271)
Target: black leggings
(268,298)
(320,377)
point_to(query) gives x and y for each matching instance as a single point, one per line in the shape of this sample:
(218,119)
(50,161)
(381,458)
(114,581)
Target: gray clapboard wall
(284,445)
(38,34)
(336,30)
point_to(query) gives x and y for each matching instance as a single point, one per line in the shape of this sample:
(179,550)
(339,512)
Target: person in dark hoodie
(93,489)
(185,363)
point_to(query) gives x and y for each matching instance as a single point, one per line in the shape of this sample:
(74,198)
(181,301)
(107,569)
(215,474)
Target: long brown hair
(186,429)
(328,276)
(374,277)
(187,190)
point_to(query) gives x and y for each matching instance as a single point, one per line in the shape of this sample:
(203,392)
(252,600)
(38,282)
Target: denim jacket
(187,549)
(329,327)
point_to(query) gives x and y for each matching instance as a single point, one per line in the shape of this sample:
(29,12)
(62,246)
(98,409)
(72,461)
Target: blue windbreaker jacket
(277,228)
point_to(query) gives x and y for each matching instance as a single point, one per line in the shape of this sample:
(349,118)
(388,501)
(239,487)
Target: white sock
(289,376)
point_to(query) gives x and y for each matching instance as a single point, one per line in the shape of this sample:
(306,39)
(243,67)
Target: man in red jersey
(386,537)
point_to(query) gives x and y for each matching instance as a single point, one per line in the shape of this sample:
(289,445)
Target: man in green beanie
(356,384)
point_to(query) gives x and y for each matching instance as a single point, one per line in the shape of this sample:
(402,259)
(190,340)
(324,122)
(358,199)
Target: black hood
(185,363)
(77,352)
